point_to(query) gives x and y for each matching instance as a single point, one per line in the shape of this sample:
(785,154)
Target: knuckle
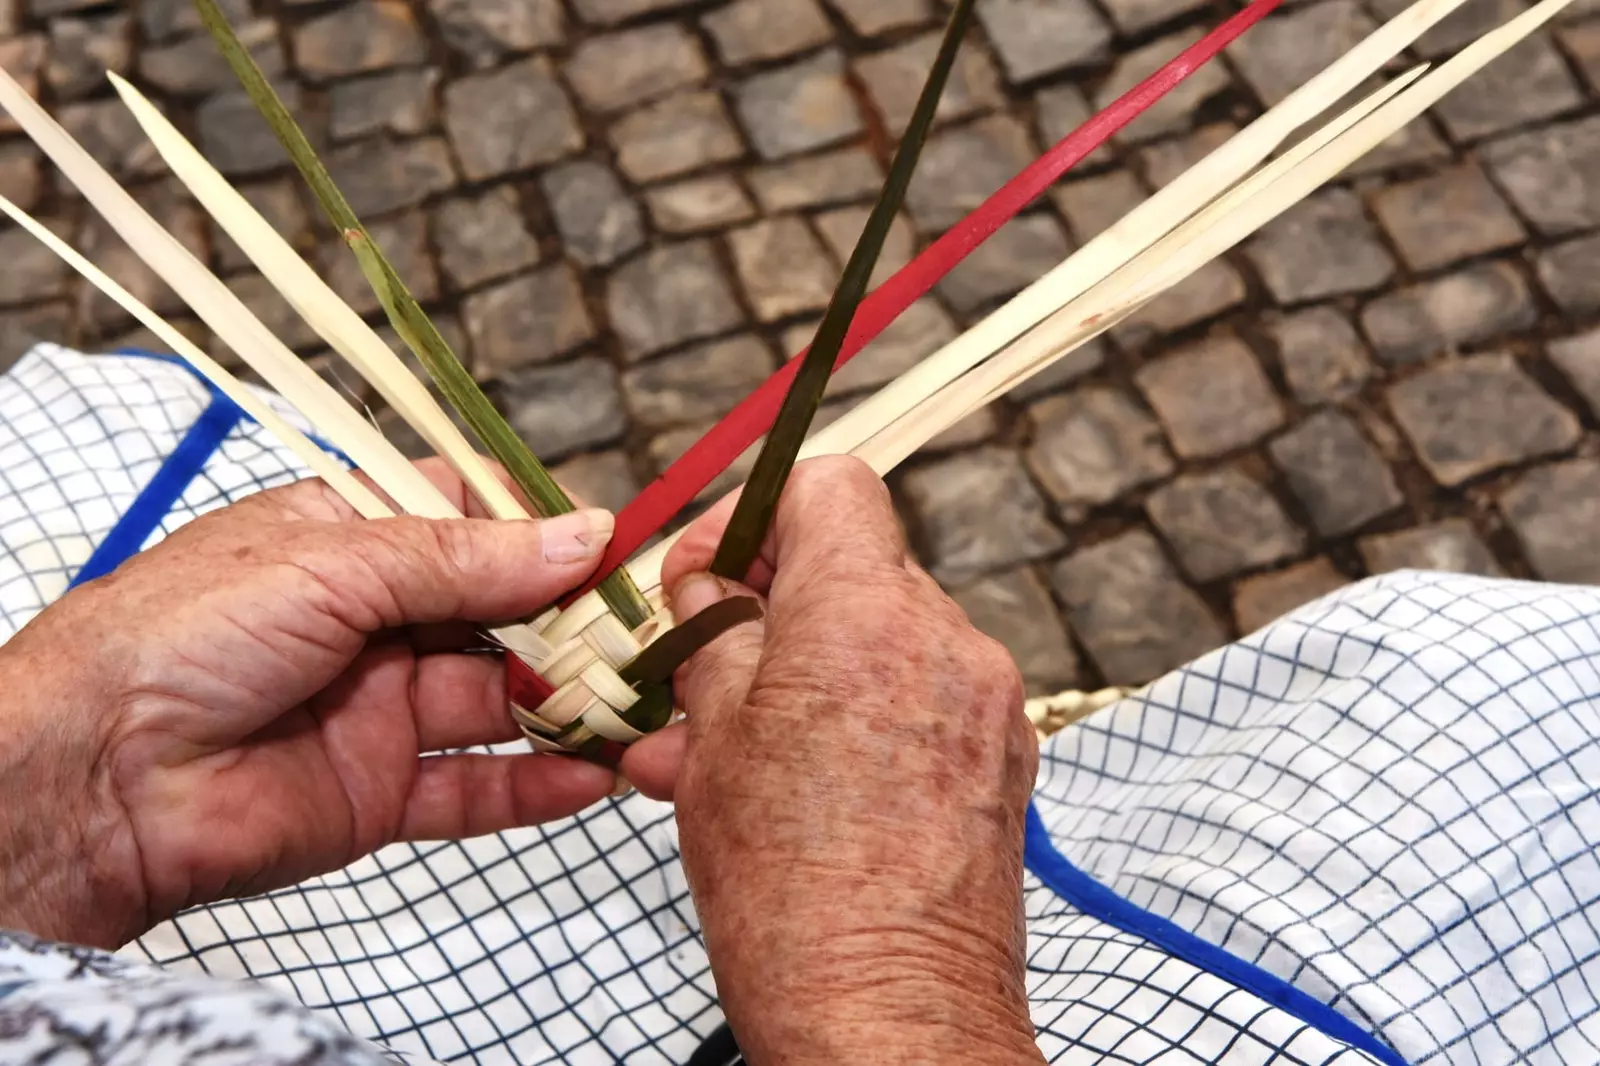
(839,477)
(457,547)
(418,544)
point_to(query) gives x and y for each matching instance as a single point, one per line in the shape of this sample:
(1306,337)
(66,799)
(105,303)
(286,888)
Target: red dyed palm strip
(727,440)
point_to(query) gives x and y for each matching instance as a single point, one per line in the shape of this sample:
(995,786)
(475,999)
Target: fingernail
(695,593)
(572,538)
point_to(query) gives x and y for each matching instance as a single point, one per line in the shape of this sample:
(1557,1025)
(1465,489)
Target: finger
(834,509)
(455,797)
(407,571)
(717,678)
(694,551)
(652,763)
(460,702)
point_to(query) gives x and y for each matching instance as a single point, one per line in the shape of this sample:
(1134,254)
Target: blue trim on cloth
(220,418)
(1099,902)
(156,499)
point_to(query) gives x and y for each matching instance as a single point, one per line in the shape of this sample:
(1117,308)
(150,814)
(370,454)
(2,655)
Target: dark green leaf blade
(657,662)
(758,502)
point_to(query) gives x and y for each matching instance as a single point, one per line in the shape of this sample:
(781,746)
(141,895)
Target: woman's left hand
(250,703)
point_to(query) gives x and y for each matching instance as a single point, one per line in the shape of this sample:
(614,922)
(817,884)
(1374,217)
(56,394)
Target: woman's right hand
(851,784)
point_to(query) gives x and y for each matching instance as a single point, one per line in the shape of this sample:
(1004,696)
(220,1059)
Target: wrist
(928,1023)
(930,998)
(64,852)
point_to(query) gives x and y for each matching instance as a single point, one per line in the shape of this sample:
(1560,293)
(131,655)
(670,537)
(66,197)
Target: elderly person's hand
(250,702)
(851,787)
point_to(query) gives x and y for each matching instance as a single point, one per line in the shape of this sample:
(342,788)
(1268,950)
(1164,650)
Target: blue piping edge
(180,468)
(1097,901)
(198,445)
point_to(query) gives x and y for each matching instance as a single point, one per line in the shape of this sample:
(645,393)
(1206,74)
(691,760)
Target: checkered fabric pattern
(1387,799)
(79,439)
(1374,817)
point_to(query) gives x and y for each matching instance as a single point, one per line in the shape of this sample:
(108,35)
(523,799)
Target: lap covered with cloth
(1365,833)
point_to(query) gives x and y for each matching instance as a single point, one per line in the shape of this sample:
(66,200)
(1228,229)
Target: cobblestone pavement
(627,211)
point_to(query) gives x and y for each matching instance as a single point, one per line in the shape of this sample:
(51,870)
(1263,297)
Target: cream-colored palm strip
(236,326)
(589,642)
(1126,289)
(1187,194)
(340,479)
(224,313)
(1134,232)
(1228,222)
(322,309)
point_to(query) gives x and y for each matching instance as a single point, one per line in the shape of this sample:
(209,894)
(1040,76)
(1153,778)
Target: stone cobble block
(400,102)
(566,407)
(1323,246)
(1338,476)
(1452,546)
(1011,260)
(1323,359)
(1528,84)
(1036,38)
(671,294)
(382,175)
(700,384)
(894,79)
(598,222)
(696,205)
(1467,417)
(1265,598)
(979,513)
(487,31)
(1467,307)
(782,268)
(1131,610)
(675,136)
(630,67)
(798,108)
(1212,397)
(1551,174)
(532,318)
(599,479)
(750,31)
(1570,273)
(1222,523)
(1092,445)
(960,168)
(1015,608)
(1448,216)
(839,177)
(509,120)
(870,18)
(358,38)
(1578,358)
(1554,511)
(480,238)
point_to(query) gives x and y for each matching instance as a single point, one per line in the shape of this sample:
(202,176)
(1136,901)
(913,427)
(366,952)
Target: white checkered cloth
(1363,834)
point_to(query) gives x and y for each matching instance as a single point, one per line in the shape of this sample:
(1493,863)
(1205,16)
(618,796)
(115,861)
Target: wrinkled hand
(851,787)
(246,705)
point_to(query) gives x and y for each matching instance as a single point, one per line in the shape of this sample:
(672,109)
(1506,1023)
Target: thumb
(416,570)
(716,679)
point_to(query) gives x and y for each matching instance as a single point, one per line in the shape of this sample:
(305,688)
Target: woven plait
(569,693)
